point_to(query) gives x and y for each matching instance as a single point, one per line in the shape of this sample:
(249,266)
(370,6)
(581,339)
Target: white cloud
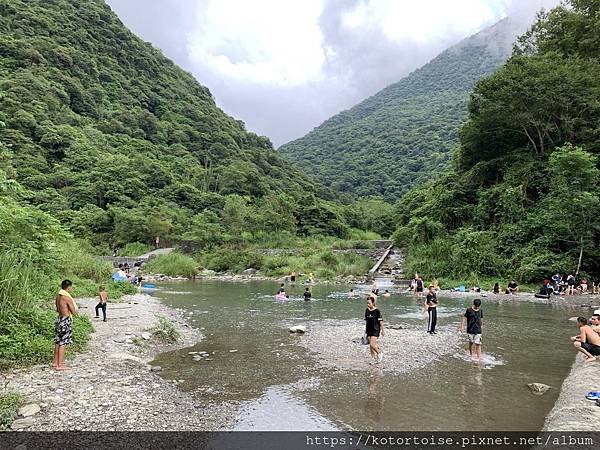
(284,66)
(265,41)
(422,21)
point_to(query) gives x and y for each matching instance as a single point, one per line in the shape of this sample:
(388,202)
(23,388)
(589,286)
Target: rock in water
(539,388)
(155,369)
(145,335)
(29,410)
(249,271)
(298,329)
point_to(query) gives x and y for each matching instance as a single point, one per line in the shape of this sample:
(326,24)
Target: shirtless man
(65,307)
(102,303)
(588,341)
(595,323)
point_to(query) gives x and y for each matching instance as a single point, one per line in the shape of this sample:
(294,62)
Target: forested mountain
(117,142)
(404,134)
(523,196)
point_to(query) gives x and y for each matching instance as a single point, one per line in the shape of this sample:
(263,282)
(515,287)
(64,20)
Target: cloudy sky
(284,66)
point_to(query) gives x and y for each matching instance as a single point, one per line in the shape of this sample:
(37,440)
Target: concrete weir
(572,411)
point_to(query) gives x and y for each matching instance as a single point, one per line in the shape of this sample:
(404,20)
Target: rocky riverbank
(111,386)
(572,411)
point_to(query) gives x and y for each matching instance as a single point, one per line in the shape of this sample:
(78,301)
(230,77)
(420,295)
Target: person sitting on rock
(513,288)
(587,341)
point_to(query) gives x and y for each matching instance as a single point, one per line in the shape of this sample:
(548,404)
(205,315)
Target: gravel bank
(572,412)
(337,345)
(111,386)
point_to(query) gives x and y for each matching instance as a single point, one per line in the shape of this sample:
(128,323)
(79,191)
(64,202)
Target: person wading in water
(431,308)
(374,329)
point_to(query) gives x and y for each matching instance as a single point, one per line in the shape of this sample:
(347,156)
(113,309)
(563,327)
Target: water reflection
(464,395)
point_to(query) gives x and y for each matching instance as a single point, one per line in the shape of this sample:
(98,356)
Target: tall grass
(135,249)
(173,264)
(27,314)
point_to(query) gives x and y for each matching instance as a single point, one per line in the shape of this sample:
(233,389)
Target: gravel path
(337,345)
(111,386)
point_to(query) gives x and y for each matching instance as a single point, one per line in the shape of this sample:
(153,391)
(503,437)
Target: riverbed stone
(539,388)
(155,369)
(298,329)
(29,410)
(22,424)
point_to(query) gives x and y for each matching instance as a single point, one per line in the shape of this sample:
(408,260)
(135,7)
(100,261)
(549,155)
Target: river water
(281,385)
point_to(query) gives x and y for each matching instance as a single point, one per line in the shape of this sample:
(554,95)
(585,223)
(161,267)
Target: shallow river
(283,386)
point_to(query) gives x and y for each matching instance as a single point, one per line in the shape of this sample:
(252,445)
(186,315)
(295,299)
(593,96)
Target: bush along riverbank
(327,259)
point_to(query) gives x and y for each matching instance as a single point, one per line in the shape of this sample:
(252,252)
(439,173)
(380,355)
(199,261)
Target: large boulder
(539,388)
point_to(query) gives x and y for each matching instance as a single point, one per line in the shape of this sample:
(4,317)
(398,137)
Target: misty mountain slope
(404,134)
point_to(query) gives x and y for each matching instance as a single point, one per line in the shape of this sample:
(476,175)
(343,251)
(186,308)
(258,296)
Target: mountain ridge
(396,121)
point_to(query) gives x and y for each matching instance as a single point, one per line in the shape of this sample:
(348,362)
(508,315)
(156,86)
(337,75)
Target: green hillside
(522,198)
(404,134)
(118,143)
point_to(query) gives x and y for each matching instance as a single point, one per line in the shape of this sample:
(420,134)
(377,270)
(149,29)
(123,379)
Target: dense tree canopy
(523,195)
(112,139)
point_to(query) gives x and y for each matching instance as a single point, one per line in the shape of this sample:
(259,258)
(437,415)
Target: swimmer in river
(307,294)
(386,293)
(351,294)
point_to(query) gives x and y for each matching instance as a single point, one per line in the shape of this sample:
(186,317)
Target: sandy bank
(572,412)
(111,386)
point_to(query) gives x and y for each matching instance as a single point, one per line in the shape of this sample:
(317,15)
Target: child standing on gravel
(102,304)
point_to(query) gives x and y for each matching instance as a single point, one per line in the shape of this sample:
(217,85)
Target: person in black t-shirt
(281,289)
(374,327)
(513,288)
(431,308)
(307,294)
(474,318)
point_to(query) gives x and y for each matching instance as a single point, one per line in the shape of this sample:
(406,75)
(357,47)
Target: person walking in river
(431,308)
(419,285)
(102,303)
(293,277)
(307,294)
(474,318)
(374,328)
(65,307)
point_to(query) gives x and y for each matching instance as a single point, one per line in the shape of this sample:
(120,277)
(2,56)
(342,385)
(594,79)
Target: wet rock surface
(111,386)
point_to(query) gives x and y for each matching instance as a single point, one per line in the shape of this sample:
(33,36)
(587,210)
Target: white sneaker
(380,357)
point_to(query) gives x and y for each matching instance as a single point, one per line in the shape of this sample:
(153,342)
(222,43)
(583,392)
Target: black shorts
(292,278)
(591,348)
(373,333)
(419,289)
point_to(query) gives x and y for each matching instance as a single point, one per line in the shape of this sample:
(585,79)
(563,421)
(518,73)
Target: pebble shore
(111,386)
(404,348)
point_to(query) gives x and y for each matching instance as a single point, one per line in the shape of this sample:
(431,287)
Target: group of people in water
(472,318)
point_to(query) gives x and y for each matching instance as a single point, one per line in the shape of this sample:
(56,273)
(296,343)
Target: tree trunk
(580,256)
